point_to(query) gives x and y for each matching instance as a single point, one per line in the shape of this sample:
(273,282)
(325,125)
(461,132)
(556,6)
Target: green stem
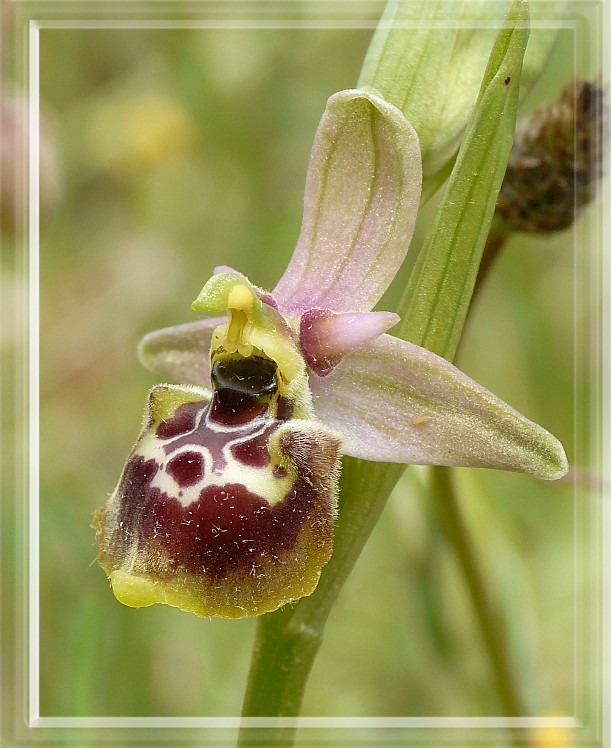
(288,640)
(493,633)
(458,536)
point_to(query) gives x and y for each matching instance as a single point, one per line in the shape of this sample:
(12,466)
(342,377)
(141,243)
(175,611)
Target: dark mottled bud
(226,504)
(556,161)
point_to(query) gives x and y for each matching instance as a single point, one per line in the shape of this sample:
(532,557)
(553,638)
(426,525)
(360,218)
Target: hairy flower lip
(226,503)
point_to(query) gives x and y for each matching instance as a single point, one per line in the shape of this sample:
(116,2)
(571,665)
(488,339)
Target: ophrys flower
(226,504)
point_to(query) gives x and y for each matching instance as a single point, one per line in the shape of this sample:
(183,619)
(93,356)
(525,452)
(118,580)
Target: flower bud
(428,59)
(556,161)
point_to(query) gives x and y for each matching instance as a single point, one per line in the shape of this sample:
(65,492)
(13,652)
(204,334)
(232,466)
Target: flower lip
(225,513)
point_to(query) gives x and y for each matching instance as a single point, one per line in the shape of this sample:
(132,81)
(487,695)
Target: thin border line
(272,24)
(577,518)
(309,722)
(34,362)
(605,228)
(35,721)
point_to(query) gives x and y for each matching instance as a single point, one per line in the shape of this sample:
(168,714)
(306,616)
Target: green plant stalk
(455,530)
(288,640)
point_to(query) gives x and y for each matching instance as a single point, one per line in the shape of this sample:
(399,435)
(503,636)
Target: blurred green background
(172,151)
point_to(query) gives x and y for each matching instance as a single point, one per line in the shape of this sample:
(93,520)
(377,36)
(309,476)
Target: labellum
(226,504)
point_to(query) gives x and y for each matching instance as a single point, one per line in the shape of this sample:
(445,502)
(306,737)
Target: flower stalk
(452,523)
(287,641)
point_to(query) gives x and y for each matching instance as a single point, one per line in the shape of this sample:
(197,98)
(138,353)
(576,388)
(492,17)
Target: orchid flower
(227,502)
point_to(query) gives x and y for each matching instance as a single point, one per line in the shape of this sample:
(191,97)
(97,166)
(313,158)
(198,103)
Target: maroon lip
(224,526)
(224,529)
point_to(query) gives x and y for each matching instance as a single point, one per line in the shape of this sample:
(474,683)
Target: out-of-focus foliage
(183,149)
